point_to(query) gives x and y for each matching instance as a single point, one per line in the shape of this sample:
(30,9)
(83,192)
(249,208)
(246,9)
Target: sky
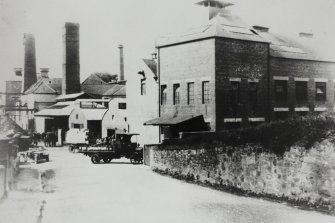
(104,24)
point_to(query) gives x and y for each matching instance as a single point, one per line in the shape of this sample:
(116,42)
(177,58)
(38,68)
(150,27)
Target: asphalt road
(79,191)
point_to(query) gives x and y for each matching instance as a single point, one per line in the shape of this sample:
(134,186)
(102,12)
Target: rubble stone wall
(299,175)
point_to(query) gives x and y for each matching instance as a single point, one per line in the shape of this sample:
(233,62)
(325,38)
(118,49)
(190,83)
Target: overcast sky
(104,24)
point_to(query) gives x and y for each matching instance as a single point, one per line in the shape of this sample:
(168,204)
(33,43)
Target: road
(120,192)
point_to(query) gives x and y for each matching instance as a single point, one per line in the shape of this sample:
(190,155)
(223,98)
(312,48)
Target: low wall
(302,176)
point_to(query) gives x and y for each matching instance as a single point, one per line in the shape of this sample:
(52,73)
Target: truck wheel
(95,159)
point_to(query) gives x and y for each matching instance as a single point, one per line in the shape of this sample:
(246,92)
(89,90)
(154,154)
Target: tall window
(163,94)
(235,92)
(176,94)
(301,91)
(320,91)
(143,87)
(190,93)
(205,92)
(253,94)
(280,91)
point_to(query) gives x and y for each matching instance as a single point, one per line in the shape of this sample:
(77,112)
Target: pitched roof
(72,96)
(294,47)
(223,25)
(58,109)
(116,90)
(8,125)
(152,65)
(46,86)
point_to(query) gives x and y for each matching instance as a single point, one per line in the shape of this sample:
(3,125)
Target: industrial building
(226,74)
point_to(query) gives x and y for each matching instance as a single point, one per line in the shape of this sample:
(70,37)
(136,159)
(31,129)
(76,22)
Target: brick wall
(299,176)
(302,69)
(189,62)
(244,60)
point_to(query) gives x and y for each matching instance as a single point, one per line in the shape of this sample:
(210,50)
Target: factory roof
(222,25)
(152,65)
(46,86)
(58,109)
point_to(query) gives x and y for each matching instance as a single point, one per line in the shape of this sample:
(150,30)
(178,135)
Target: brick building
(227,74)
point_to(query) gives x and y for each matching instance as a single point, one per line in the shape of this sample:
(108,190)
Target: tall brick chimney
(121,63)
(71,60)
(30,76)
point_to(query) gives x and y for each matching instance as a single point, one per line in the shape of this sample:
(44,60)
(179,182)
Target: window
(253,94)
(143,87)
(301,91)
(122,105)
(163,94)
(280,90)
(176,94)
(205,92)
(235,92)
(190,93)
(76,116)
(320,91)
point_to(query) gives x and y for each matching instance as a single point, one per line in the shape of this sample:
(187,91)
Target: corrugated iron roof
(70,96)
(56,110)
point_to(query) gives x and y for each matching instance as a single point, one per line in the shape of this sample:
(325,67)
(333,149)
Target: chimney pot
(44,72)
(305,35)
(262,29)
(18,71)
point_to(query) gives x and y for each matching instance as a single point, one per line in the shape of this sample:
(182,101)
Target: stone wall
(306,177)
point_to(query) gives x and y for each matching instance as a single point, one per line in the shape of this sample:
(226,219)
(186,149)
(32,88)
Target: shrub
(275,137)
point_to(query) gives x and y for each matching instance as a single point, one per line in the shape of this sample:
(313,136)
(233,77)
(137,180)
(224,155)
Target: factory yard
(75,190)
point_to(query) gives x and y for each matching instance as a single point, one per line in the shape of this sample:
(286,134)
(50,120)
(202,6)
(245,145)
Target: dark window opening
(320,91)
(280,91)
(235,93)
(163,94)
(122,105)
(253,94)
(190,93)
(301,91)
(205,92)
(176,94)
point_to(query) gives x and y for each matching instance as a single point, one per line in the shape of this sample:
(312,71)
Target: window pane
(301,91)
(320,91)
(253,94)
(280,91)
(163,95)
(205,92)
(176,94)
(143,87)
(235,92)
(190,93)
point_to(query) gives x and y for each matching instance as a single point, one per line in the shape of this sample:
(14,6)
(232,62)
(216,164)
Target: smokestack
(30,76)
(18,71)
(121,63)
(44,72)
(71,60)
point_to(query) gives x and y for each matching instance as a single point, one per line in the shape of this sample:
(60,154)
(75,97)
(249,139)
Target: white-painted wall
(142,108)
